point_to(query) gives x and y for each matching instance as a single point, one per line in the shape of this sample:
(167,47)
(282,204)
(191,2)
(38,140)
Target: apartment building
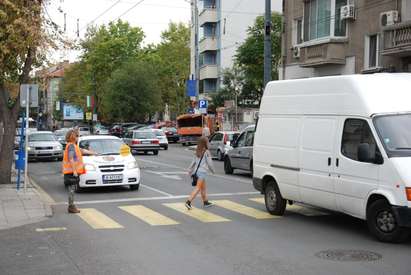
(334,37)
(223,27)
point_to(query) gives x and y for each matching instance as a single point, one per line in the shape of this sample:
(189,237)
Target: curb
(45,198)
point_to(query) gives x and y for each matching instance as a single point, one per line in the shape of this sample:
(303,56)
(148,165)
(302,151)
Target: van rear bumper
(258,184)
(403,214)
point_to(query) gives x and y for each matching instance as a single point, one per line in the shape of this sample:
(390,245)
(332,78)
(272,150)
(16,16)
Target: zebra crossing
(98,220)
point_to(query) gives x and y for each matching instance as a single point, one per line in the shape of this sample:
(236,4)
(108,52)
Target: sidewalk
(21,207)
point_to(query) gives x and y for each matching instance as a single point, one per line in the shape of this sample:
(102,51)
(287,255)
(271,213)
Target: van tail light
(408,192)
(225,139)
(155,141)
(135,142)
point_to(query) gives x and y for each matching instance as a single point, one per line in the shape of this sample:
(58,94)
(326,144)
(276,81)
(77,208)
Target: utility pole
(196,51)
(267,43)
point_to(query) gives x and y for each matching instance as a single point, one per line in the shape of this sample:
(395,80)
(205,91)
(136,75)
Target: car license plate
(146,142)
(112,177)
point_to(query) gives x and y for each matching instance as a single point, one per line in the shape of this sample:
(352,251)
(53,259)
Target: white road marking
(51,229)
(156,190)
(157,198)
(231,179)
(168,175)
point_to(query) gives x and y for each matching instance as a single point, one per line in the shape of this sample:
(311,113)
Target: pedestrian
(201,165)
(205,132)
(73,166)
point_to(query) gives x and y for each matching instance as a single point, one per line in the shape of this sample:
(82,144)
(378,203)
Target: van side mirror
(234,144)
(364,152)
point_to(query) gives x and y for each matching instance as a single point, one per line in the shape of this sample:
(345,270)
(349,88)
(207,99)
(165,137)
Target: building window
(339,25)
(322,19)
(298,31)
(371,51)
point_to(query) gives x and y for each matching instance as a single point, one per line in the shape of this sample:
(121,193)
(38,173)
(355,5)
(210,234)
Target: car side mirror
(234,144)
(364,152)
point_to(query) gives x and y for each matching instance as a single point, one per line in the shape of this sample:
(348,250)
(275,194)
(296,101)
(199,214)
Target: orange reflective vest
(78,161)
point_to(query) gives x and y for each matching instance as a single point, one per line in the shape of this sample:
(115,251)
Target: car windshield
(60,133)
(160,133)
(232,137)
(42,137)
(102,146)
(85,129)
(144,135)
(395,134)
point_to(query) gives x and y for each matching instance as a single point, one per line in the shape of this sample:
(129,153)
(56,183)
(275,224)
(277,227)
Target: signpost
(203,105)
(28,98)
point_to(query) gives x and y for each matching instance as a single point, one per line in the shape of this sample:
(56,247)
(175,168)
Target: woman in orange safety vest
(73,166)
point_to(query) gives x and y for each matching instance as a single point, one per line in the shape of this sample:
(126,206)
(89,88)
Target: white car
(108,167)
(161,136)
(84,131)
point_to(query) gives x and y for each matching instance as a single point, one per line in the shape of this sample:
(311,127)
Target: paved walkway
(21,207)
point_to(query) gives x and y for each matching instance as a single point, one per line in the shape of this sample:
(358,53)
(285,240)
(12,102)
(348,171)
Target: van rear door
(317,151)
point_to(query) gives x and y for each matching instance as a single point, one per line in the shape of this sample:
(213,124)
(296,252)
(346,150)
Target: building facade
(335,37)
(222,27)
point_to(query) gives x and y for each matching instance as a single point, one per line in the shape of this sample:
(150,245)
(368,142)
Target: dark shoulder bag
(194,176)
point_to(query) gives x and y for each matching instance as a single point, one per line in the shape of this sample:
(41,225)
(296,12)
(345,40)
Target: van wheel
(228,169)
(274,202)
(220,155)
(383,224)
(155,152)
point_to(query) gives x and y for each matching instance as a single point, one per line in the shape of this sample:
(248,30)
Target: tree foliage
(23,38)
(131,93)
(105,49)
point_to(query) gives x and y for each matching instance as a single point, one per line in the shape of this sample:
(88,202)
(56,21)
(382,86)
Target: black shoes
(188,205)
(207,204)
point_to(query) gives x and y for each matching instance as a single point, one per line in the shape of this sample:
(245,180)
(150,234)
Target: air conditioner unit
(296,52)
(388,18)
(347,12)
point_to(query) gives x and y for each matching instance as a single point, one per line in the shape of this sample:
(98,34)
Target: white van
(342,143)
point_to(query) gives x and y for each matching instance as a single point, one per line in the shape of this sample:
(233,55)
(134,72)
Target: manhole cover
(348,255)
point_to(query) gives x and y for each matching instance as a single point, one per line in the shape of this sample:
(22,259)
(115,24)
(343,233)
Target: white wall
(406,10)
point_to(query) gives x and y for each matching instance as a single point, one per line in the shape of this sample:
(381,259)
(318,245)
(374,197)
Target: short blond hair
(71,135)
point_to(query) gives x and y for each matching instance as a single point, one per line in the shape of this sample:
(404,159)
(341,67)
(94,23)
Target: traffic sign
(202,104)
(33,91)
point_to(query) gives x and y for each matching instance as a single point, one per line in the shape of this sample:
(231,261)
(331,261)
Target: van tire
(220,155)
(382,223)
(274,202)
(228,169)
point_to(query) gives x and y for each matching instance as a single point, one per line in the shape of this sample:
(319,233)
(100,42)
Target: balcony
(397,39)
(207,15)
(208,44)
(208,72)
(327,53)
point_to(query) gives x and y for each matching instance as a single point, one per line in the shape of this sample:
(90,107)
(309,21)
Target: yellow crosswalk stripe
(98,220)
(306,211)
(199,214)
(245,210)
(147,215)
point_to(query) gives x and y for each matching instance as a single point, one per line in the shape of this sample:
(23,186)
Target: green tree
(131,93)
(105,49)
(23,36)
(173,56)
(250,57)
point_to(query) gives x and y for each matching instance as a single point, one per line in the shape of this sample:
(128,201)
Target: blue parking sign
(202,103)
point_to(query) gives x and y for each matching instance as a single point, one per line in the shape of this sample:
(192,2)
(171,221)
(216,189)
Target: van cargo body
(342,143)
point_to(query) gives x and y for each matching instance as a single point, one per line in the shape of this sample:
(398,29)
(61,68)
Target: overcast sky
(153,16)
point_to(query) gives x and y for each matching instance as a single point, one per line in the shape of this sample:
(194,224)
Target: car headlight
(132,165)
(29,148)
(58,147)
(90,167)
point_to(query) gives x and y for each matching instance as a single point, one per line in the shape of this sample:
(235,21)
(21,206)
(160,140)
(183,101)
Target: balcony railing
(207,15)
(397,38)
(208,43)
(208,71)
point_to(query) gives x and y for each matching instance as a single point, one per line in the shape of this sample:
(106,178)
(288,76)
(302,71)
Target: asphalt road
(149,232)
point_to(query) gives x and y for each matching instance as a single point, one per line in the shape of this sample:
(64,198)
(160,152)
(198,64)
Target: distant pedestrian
(206,132)
(73,166)
(199,168)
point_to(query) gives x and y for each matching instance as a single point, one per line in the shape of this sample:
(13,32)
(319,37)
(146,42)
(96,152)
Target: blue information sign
(191,87)
(202,103)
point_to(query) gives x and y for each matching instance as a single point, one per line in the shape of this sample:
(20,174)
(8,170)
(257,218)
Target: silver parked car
(44,145)
(142,141)
(220,143)
(241,156)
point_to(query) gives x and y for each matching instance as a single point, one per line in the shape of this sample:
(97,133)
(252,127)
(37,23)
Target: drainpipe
(284,35)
